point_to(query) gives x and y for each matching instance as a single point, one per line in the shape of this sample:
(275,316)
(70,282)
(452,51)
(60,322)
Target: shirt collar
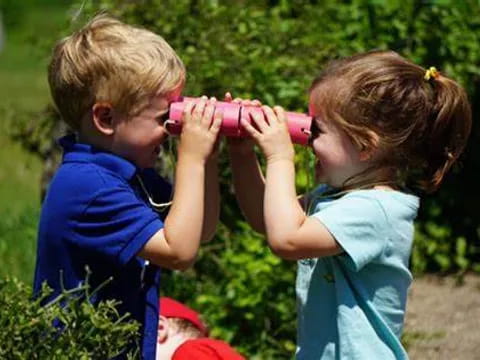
(74,151)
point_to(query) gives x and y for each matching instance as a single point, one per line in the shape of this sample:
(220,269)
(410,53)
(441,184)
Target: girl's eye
(315,131)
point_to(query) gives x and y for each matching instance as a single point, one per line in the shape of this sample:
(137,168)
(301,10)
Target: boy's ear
(163,327)
(103,118)
(369,151)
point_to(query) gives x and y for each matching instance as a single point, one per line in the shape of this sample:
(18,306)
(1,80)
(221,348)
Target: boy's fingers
(199,109)
(208,114)
(187,111)
(217,121)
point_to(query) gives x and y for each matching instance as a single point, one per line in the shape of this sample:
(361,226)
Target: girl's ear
(370,151)
(102,114)
(162,329)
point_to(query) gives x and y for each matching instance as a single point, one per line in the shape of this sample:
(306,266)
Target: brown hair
(109,61)
(421,125)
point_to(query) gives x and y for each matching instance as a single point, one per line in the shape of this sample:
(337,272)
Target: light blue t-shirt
(352,306)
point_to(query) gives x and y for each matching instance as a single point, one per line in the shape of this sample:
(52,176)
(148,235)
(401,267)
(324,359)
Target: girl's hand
(242,102)
(200,129)
(269,130)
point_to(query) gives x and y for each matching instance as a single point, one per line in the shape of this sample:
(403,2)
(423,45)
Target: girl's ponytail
(448,127)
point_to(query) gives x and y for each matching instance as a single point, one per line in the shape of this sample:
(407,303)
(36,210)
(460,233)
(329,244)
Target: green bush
(89,332)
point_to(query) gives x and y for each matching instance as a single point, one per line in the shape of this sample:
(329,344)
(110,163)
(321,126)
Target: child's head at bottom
(112,84)
(177,323)
(381,119)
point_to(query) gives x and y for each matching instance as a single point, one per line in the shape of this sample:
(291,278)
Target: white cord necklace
(156,206)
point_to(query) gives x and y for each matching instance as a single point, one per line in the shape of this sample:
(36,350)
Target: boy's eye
(162,118)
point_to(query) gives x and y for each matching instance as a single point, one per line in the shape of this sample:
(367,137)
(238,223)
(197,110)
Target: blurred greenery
(265,49)
(30,30)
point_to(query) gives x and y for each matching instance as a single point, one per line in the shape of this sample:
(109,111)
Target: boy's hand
(200,129)
(269,130)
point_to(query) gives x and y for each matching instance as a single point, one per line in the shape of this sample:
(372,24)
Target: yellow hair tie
(431,73)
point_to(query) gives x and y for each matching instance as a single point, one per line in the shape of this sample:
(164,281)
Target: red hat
(206,349)
(173,309)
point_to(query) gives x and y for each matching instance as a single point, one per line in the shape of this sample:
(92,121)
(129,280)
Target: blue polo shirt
(96,214)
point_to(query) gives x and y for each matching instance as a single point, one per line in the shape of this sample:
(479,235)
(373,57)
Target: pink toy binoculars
(298,124)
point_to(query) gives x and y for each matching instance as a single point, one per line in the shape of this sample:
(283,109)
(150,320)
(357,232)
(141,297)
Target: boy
(182,335)
(113,83)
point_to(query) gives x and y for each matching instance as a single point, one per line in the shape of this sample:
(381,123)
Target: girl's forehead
(311,110)
(316,99)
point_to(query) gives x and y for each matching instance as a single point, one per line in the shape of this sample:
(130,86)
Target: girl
(383,130)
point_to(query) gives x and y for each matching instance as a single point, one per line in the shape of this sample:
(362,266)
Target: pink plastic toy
(298,124)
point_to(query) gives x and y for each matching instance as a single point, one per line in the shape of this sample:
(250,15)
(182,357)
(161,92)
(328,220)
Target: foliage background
(271,50)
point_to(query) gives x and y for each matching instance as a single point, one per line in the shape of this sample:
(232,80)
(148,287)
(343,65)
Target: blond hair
(109,61)
(422,124)
(186,328)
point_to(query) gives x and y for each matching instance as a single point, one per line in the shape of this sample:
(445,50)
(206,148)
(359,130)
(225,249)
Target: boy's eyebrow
(161,112)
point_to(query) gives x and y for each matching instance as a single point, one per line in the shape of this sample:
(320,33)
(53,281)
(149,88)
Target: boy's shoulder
(85,170)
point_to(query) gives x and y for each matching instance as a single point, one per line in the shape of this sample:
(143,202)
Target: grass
(24,89)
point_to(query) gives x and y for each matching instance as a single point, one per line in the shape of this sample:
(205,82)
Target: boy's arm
(176,245)
(248,181)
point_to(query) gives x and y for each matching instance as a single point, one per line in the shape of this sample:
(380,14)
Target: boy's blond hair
(107,61)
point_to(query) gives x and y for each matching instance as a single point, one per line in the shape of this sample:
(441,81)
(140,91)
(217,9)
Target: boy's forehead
(163,100)
(173,95)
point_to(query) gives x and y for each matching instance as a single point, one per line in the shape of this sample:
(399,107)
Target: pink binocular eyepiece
(298,124)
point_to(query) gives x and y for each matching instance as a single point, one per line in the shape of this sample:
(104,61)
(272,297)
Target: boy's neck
(88,134)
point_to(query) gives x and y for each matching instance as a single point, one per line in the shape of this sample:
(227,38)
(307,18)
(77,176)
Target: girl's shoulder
(386,198)
(384,201)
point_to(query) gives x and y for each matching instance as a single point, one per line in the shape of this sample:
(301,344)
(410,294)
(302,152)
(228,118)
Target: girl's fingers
(270,115)
(228,97)
(258,118)
(254,133)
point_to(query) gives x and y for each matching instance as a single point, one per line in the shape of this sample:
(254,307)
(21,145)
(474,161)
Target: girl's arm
(290,232)
(248,181)
(212,199)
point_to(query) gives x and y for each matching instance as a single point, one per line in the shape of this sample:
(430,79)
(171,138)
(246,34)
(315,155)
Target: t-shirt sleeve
(115,225)
(358,223)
